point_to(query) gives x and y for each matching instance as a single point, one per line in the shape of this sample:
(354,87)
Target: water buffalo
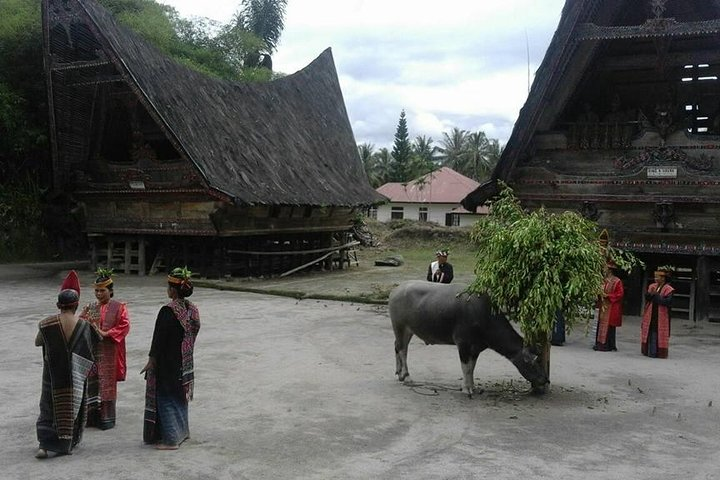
(443,314)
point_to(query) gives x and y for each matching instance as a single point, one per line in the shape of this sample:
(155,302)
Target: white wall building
(435,197)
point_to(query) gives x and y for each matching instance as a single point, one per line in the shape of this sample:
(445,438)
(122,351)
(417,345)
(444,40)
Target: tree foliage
(201,44)
(453,148)
(265,21)
(535,264)
(423,160)
(402,152)
(472,154)
(21,235)
(23,109)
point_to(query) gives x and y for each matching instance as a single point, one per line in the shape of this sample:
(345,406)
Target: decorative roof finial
(658,7)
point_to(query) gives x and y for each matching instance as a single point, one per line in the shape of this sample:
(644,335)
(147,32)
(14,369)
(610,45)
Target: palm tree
(478,155)
(265,19)
(383,166)
(453,150)
(369,161)
(494,152)
(424,153)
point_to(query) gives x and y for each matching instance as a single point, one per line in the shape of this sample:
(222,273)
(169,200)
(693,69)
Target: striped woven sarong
(63,398)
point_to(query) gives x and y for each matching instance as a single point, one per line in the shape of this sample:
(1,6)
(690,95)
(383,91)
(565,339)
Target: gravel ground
(290,389)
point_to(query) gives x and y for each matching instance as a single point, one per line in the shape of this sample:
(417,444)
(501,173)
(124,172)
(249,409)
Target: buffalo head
(530,367)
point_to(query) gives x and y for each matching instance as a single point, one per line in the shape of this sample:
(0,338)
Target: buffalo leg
(402,340)
(468,358)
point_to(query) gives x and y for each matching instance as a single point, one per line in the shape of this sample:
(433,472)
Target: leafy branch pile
(533,265)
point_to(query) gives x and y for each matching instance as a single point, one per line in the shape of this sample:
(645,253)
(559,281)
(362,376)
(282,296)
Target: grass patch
(417,243)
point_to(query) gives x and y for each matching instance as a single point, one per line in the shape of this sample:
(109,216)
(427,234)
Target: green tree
(494,152)
(479,160)
(402,152)
(23,109)
(384,166)
(369,161)
(453,150)
(423,161)
(536,264)
(192,43)
(265,20)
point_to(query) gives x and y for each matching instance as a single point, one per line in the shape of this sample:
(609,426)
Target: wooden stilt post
(141,256)
(128,254)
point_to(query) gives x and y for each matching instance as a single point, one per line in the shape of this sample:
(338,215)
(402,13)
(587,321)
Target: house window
(452,220)
(698,84)
(372,213)
(422,216)
(397,213)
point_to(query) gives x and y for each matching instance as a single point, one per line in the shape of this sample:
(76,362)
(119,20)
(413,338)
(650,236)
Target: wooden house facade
(173,166)
(622,124)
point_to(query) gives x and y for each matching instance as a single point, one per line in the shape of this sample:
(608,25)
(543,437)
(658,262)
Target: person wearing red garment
(610,314)
(655,325)
(111,320)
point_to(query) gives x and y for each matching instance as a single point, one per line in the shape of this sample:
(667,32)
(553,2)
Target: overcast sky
(450,63)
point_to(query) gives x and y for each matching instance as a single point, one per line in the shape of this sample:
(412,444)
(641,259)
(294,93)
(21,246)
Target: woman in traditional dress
(111,320)
(67,344)
(610,314)
(655,326)
(169,371)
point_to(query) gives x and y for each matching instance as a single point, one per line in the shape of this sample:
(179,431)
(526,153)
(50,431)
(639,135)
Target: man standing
(440,271)
(67,343)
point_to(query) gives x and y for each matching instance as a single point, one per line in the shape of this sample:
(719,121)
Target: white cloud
(456,63)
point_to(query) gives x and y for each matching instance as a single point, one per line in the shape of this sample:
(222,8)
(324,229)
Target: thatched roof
(586,29)
(285,142)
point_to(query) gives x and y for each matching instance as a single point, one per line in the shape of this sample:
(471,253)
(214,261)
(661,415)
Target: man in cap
(440,271)
(67,344)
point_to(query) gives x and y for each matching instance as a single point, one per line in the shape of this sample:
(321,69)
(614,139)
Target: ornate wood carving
(602,135)
(664,247)
(664,215)
(133,174)
(664,156)
(141,151)
(658,7)
(658,27)
(652,28)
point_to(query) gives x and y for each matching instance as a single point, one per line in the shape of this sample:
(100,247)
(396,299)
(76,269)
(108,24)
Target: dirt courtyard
(305,389)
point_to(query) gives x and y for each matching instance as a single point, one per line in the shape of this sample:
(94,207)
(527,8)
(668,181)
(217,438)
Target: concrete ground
(304,389)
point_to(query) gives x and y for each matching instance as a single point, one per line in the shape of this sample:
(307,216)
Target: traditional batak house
(434,197)
(623,124)
(173,166)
